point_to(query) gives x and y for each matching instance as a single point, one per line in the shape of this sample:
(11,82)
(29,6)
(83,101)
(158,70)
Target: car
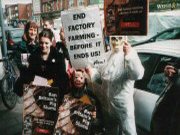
(171,33)
(13,36)
(154,57)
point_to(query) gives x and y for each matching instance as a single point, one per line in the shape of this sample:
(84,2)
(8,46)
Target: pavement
(11,120)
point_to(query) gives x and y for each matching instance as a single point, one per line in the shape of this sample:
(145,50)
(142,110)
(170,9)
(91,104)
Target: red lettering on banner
(40,130)
(130,24)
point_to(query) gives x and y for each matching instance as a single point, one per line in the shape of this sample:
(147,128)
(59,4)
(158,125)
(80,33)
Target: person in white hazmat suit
(114,86)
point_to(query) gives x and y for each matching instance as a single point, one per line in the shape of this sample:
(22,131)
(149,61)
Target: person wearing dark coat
(166,115)
(46,62)
(52,69)
(23,49)
(62,49)
(61,46)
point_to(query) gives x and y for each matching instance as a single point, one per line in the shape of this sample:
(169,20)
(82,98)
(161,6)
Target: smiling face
(45,45)
(32,33)
(79,79)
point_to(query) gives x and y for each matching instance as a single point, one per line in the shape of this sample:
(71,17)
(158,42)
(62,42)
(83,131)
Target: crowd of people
(38,54)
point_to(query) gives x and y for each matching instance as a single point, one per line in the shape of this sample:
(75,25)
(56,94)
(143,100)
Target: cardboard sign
(83,33)
(126,17)
(75,114)
(40,109)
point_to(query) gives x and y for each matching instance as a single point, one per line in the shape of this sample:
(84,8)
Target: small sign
(40,108)
(75,114)
(126,17)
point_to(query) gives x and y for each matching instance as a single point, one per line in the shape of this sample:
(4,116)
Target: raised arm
(132,62)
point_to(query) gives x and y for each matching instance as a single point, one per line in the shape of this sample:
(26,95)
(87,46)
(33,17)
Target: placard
(75,114)
(83,33)
(126,17)
(40,109)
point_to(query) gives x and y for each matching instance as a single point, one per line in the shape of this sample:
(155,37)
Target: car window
(158,80)
(154,80)
(17,33)
(149,62)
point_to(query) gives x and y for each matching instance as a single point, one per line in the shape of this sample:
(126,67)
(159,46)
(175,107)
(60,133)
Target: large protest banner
(126,17)
(40,109)
(83,33)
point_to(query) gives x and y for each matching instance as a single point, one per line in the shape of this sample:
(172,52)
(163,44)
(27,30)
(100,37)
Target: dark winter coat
(166,116)
(24,47)
(63,50)
(53,68)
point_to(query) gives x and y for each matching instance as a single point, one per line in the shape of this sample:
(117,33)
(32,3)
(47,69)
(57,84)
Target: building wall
(19,11)
(52,8)
(29,11)
(22,12)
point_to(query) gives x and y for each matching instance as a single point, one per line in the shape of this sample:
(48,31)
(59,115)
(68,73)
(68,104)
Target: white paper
(40,81)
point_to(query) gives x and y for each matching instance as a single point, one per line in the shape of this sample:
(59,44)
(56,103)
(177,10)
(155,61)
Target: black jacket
(53,68)
(24,47)
(166,115)
(63,50)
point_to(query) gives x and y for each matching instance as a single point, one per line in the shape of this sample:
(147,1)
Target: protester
(62,48)
(79,99)
(115,83)
(27,46)
(48,66)
(48,63)
(48,23)
(165,119)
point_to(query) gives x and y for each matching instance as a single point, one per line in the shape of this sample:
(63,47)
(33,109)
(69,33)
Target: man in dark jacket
(166,118)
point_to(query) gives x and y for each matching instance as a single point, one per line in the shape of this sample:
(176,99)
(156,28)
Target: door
(148,89)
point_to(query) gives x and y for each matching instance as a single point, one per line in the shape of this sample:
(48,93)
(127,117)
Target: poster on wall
(40,109)
(126,17)
(84,39)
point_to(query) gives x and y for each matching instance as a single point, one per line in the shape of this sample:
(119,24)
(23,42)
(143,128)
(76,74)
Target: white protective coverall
(114,86)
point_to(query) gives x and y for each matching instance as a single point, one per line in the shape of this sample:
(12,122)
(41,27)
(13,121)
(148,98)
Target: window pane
(158,80)
(148,61)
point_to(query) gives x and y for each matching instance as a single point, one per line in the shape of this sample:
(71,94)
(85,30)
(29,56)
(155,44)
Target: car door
(148,89)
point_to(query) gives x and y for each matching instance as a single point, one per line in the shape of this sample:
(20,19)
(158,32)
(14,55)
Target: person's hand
(169,71)
(93,114)
(88,70)
(62,36)
(126,48)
